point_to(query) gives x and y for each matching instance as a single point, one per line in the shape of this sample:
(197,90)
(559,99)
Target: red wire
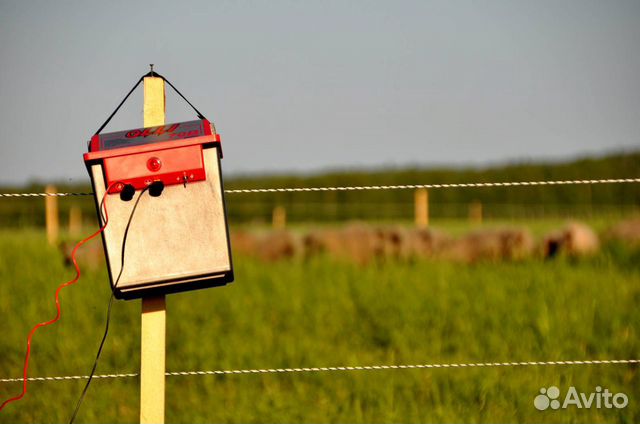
(60,287)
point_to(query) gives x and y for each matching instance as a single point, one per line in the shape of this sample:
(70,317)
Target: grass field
(327,313)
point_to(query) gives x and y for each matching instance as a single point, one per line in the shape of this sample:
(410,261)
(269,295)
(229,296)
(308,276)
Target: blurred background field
(322,311)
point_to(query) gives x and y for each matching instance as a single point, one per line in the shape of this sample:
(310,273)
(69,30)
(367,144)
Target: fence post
(475,212)
(75,220)
(279,218)
(153,323)
(421,200)
(51,215)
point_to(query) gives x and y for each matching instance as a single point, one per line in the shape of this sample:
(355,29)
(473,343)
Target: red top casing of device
(169,153)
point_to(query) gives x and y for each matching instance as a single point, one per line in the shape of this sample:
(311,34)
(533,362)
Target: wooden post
(279,218)
(51,215)
(421,199)
(75,220)
(475,212)
(153,330)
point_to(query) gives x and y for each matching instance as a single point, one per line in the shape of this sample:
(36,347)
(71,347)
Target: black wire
(106,328)
(150,74)
(119,106)
(200,116)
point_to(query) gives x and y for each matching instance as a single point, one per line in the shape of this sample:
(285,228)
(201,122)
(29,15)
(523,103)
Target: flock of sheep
(362,243)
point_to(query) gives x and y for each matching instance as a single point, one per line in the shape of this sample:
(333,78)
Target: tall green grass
(326,313)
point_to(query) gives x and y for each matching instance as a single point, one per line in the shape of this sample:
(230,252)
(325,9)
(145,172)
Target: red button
(154,164)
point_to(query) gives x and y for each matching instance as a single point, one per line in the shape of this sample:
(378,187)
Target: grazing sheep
(359,243)
(517,244)
(402,244)
(278,245)
(491,245)
(243,242)
(320,241)
(427,242)
(576,239)
(89,255)
(626,231)
(355,242)
(393,243)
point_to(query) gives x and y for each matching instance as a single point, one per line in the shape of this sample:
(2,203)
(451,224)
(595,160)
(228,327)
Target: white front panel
(180,234)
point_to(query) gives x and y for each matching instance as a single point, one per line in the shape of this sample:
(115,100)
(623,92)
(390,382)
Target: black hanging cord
(149,74)
(106,328)
(119,106)
(200,116)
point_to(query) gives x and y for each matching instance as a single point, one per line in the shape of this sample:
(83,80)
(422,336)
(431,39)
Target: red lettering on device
(152,131)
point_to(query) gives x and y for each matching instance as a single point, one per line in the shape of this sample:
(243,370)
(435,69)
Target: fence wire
(364,367)
(380,187)
(343,368)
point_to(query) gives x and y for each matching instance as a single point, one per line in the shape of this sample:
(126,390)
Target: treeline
(446,203)
(497,202)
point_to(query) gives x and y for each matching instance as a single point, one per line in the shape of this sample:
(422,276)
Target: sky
(301,86)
